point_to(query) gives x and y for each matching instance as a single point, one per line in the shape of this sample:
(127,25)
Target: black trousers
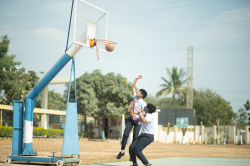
(135,149)
(129,125)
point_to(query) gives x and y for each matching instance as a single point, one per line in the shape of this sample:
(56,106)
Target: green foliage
(164,102)
(56,101)
(174,85)
(213,140)
(91,133)
(151,99)
(5,131)
(224,135)
(247,106)
(54,133)
(14,83)
(83,134)
(241,117)
(210,106)
(39,131)
(110,93)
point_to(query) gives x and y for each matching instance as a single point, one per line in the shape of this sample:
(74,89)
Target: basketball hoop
(109,46)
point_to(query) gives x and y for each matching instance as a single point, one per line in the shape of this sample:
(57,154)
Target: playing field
(93,152)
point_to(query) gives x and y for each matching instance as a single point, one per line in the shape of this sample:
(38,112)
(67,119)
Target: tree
(241,117)
(115,94)
(101,96)
(210,106)
(86,96)
(109,93)
(167,102)
(14,83)
(151,99)
(56,101)
(174,85)
(247,106)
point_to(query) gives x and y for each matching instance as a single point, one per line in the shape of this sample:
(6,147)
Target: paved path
(175,161)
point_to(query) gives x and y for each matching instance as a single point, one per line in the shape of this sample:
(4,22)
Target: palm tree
(174,85)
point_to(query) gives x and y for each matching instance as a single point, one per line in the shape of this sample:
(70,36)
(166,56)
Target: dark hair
(151,108)
(144,93)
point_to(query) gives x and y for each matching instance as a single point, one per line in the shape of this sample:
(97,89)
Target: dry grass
(92,152)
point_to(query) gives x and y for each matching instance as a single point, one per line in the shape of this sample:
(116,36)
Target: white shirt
(138,103)
(148,127)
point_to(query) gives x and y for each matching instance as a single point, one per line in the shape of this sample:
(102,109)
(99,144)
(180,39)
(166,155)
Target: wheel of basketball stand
(7,161)
(59,163)
(80,162)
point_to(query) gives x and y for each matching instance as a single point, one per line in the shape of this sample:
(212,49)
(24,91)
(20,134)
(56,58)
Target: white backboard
(90,22)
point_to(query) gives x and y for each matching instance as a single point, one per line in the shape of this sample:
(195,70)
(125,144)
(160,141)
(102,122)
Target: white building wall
(247,134)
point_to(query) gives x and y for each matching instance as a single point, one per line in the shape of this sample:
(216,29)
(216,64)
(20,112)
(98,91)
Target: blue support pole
(29,99)
(29,102)
(17,141)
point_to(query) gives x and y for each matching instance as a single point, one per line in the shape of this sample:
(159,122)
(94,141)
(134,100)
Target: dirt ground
(94,152)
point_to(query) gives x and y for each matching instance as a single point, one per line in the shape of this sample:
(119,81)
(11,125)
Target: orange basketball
(109,47)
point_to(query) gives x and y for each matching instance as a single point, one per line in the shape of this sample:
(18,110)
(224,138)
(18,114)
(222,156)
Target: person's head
(150,108)
(141,94)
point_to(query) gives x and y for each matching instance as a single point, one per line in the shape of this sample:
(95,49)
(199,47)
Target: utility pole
(190,77)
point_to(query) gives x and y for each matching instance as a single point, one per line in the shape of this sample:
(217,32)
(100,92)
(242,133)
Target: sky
(151,35)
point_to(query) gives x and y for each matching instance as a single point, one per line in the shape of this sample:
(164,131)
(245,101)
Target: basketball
(109,47)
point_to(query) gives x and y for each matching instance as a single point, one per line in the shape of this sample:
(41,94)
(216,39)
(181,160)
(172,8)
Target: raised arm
(133,86)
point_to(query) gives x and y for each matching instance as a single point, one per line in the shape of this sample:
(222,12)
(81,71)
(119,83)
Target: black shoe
(134,165)
(120,155)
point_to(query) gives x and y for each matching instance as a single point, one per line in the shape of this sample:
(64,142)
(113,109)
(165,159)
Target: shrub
(5,131)
(39,131)
(61,132)
(84,134)
(54,133)
(91,133)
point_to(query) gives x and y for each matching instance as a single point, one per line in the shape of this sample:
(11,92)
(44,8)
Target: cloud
(233,15)
(48,31)
(225,27)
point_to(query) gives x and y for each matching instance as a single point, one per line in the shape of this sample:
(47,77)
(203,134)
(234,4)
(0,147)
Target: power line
(175,18)
(164,52)
(66,14)
(158,30)
(218,25)
(176,7)
(147,18)
(49,15)
(128,33)
(148,5)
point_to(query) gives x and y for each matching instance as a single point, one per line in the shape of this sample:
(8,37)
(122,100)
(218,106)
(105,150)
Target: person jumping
(130,123)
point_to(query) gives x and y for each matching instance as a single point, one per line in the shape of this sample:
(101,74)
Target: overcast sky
(151,35)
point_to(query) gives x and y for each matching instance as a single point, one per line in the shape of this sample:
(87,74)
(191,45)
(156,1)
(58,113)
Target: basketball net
(97,42)
(98,54)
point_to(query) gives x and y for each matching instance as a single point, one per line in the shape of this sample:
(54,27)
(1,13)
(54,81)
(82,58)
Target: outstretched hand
(138,77)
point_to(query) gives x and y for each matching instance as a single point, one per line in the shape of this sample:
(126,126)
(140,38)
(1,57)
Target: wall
(247,134)
(116,129)
(193,133)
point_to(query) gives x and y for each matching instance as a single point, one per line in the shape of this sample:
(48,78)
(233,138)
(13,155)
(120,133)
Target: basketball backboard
(90,22)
